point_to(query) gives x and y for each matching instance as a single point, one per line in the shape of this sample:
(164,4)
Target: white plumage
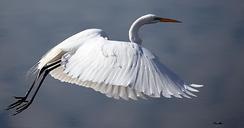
(115,68)
(118,69)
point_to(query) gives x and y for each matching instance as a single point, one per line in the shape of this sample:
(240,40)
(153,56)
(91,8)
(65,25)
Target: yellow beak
(169,20)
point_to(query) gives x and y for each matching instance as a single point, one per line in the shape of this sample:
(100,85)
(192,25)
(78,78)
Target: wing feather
(121,70)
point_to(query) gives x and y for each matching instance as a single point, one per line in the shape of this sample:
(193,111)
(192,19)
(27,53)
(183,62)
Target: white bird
(117,69)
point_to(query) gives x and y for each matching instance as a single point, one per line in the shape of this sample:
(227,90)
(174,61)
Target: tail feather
(32,71)
(50,56)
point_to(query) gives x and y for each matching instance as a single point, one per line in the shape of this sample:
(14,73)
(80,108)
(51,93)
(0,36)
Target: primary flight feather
(117,69)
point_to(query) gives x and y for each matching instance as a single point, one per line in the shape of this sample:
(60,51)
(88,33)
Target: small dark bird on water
(217,123)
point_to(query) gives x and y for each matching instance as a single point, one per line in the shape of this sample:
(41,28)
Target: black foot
(20,100)
(22,107)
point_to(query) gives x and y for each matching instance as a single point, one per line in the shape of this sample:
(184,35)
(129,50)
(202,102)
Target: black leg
(21,100)
(27,104)
(46,68)
(40,72)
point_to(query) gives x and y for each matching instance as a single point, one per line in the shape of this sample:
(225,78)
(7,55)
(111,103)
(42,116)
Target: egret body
(117,69)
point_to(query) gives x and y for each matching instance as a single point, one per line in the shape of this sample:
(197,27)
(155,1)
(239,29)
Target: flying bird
(117,69)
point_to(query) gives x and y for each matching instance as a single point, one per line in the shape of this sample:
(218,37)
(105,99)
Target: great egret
(118,69)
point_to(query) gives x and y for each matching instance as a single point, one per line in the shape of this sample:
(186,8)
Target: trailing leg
(28,103)
(21,100)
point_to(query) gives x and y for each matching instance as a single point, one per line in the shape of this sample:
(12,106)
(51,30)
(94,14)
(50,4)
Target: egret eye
(157,18)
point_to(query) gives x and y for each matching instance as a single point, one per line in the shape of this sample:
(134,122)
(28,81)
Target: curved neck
(133,32)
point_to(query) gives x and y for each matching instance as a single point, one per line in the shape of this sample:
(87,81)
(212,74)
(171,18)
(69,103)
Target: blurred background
(207,48)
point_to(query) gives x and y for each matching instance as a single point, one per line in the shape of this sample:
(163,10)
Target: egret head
(146,19)
(151,18)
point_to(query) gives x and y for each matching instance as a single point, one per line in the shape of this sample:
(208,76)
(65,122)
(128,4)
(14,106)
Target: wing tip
(196,85)
(191,88)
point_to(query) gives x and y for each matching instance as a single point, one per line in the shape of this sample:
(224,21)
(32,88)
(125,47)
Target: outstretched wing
(120,69)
